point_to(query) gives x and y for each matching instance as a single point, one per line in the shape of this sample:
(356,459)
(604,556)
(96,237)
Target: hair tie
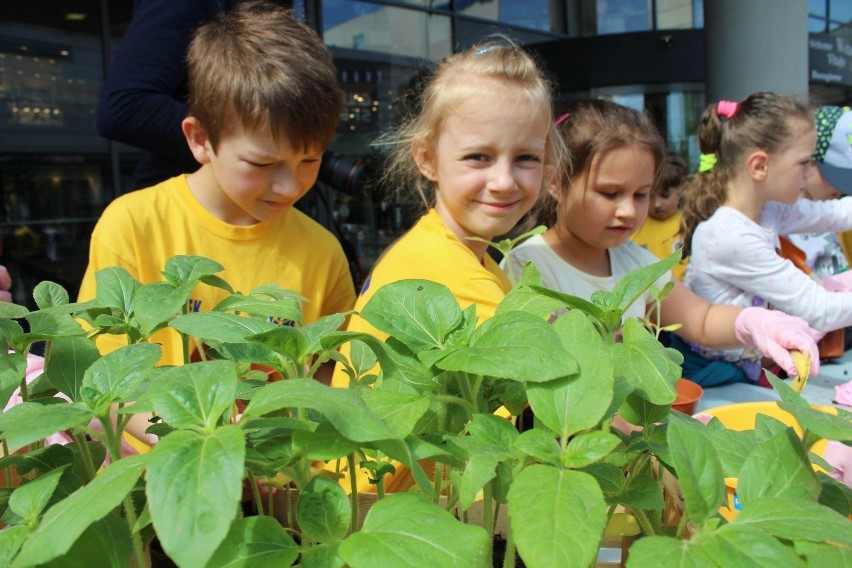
(486,49)
(727,109)
(706,163)
(562,118)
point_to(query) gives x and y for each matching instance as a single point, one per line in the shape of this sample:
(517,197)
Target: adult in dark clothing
(143,99)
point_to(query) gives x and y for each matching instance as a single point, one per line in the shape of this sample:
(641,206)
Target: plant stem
(454,400)
(644,522)
(681,525)
(8,467)
(439,477)
(130,513)
(487,512)
(353,483)
(87,455)
(509,557)
(255,493)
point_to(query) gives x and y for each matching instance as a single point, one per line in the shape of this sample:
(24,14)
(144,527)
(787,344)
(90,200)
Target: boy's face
(664,203)
(254,179)
(819,189)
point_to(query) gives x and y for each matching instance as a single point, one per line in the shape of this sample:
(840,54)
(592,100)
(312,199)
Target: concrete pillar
(755,45)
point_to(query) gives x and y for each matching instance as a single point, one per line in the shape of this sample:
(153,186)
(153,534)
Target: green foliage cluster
(442,379)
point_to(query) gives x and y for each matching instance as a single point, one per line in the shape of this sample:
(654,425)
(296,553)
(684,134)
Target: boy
(660,233)
(264,103)
(830,179)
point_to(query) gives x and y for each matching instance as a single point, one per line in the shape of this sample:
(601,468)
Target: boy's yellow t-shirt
(662,238)
(141,230)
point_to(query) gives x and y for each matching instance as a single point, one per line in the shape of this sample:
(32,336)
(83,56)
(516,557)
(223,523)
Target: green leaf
(116,376)
(822,424)
(13,369)
(194,486)
(322,556)
(256,542)
(315,331)
(323,510)
(12,311)
(648,365)
(67,520)
(515,345)
(819,554)
(29,422)
(589,447)
(666,551)
(342,407)
(324,444)
(186,269)
(69,359)
(539,445)
(698,469)
(406,530)
(733,545)
(800,521)
(11,540)
(286,341)
(285,309)
(576,403)
(419,313)
(49,294)
(107,540)
(558,516)
(46,325)
(401,411)
(632,285)
(195,396)
(778,468)
(157,303)
(28,500)
(642,491)
(220,326)
(115,288)
(361,357)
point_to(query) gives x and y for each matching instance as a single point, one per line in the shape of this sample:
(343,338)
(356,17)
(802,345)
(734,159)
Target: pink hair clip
(561,119)
(727,109)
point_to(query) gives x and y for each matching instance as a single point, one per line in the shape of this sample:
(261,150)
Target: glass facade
(57,174)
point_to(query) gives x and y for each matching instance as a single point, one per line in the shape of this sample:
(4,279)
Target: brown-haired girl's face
(788,170)
(603,207)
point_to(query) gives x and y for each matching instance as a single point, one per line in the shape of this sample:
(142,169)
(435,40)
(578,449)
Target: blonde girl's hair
(763,121)
(455,80)
(592,127)
(256,66)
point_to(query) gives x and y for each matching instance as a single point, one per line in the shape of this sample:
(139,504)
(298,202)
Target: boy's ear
(757,165)
(196,138)
(425,159)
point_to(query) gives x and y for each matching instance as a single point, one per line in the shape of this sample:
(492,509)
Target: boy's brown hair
(258,67)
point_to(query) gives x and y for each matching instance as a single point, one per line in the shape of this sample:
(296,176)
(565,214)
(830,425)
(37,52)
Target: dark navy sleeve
(143,99)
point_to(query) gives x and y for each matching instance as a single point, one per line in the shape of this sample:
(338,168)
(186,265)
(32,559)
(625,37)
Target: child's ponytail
(706,191)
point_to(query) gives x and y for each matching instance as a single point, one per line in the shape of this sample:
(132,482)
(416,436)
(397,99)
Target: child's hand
(839,282)
(5,285)
(776,334)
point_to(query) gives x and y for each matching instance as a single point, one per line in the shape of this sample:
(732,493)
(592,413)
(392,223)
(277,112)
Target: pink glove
(839,282)
(775,333)
(5,284)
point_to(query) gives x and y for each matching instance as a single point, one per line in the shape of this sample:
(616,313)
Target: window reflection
(622,16)
(544,15)
(386,29)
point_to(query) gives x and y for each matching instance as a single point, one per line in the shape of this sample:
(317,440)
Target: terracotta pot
(688,395)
